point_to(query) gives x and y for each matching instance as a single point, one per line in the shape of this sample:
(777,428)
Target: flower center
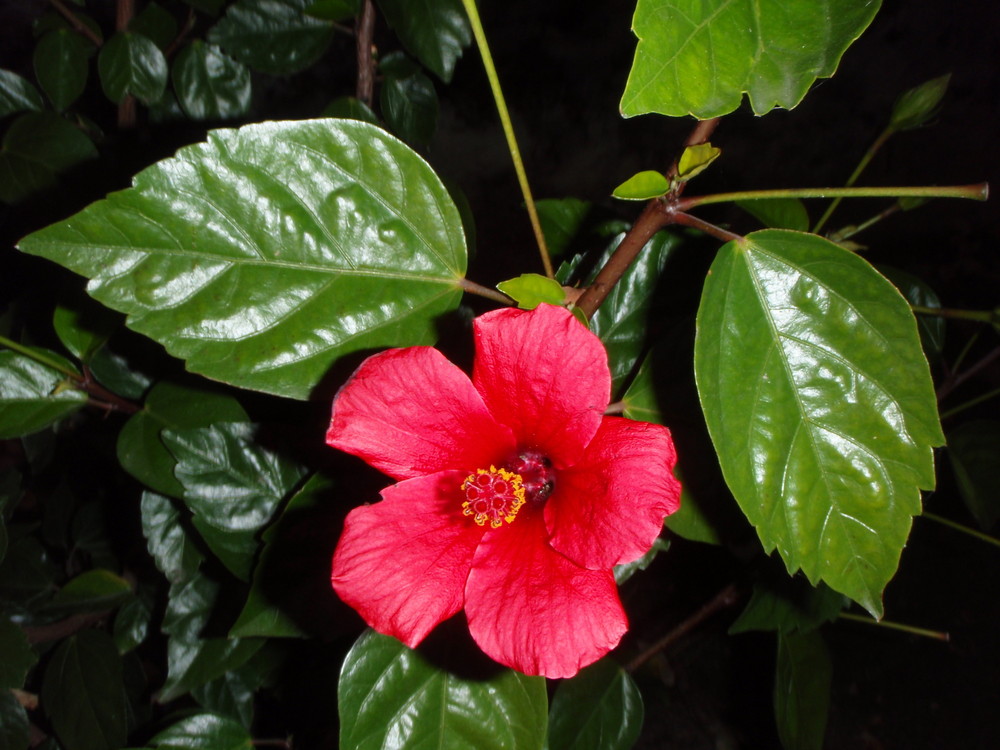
(494,495)
(537,475)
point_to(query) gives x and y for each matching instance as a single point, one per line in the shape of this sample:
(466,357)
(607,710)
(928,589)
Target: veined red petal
(544,375)
(609,508)
(532,609)
(410,412)
(402,563)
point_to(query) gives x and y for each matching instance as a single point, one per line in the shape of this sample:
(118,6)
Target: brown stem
(181,35)
(701,133)
(75,22)
(125,10)
(105,398)
(679,217)
(63,628)
(484,291)
(727,597)
(366,54)
(957,379)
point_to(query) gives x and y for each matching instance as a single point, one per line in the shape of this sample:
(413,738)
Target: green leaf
(530,290)
(622,321)
(35,147)
(229,480)
(155,23)
(392,697)
(204,731)
(170,545)
(642,186)
(194,657)
(699,58)
(130,63)
(918,105)
(334,10)
(83,692)
(787,605)
(209,84)
(974,450)
(350,108)
(16,656)
(802,690)
(84,328)
(626,570)
(820,404)
(92,591)
(410,106)
(433,31)
(27,575)
(695,160)
(778,213)
(17,94)
(132,621)
(32,395)
(917,292)
(235,549)
(232,694)
(284,592)
(561,220)
(212,7)
(120,374)
(13,723)
(599,708)
(272,250)
(61,62)
(272,36)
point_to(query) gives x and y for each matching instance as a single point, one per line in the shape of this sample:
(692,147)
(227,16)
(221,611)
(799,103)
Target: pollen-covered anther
(493,495)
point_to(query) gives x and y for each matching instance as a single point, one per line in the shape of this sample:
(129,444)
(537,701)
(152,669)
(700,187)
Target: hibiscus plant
(326,456)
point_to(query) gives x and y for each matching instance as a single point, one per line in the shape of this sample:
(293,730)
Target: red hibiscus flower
(516,496)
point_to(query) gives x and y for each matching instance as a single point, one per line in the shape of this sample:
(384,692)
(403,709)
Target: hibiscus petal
(402,564)
(410,412)
(532,609)
(544,375)
(609,508)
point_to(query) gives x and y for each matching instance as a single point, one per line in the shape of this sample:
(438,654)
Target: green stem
(508,129)
(27,351)
(849,231)
(935,634)
(964,529)
(982,316)
(979,191)
(869,155)
(969,404)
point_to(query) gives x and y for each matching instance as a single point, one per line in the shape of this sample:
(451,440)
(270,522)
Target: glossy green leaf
(561,220)
(209,84)
(195,657)
(699,58)
(695,159)
(626,570)
(16,656)
(642,186)
(120,374)
(92,591)
(788,605)
(820,404)
(13,723)
(35,147)
(433,31)
(204,731)
(392,697)
(410,107)
(350,108)
(231,695)
(333,10)
(272,36)
(229,479)
(83,693)
(172,548)
(599,709)
(802,690)
(265,254)
(130,63)
(235,549)
(84,328)
(917,292)
(529,290)
(32,395)
(132,620)
(142,453)
(690,520)
(282,592)
(62,62)
(156,23)
(778,213)
(621,322)
(918,105)
(17,94)
(974,450)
